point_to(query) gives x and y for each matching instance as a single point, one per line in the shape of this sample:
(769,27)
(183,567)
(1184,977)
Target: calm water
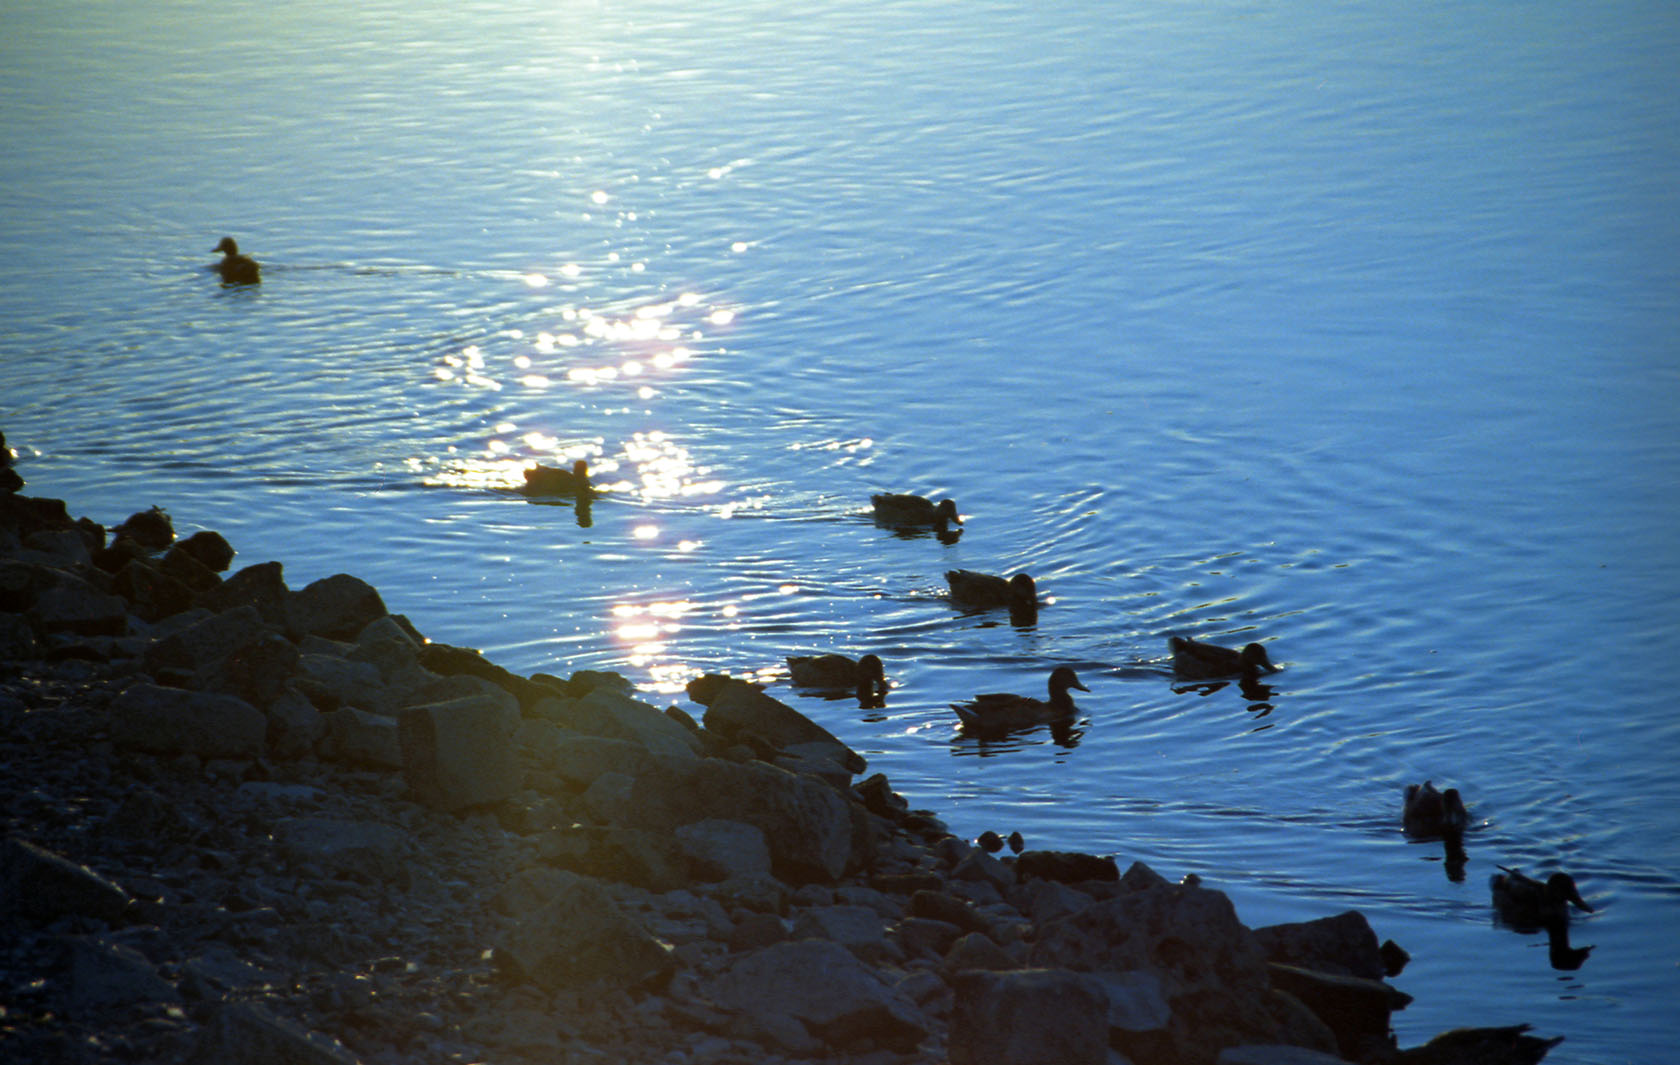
(1346,327)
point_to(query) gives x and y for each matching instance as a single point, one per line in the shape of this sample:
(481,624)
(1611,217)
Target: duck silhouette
(236,269)
(986,591)
(1428,812)
(1524,902)
(835,672)
(997,713)
(1193,660)
(912,511)
(543,480)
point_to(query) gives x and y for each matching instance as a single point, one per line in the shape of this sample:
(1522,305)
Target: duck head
(1254,657)
(946,511)
(1062,678)
(1561,888)
(228,245)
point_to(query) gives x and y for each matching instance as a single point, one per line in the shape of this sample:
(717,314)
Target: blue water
(1346,327)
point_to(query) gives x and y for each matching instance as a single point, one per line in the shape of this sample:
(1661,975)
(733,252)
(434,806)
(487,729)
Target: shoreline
(256,823)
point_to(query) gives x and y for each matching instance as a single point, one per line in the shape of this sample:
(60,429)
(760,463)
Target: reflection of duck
(236,269)
(1193,660)
(1428,812)
(893,509)
(985,590)
(999,712)
(1485,1046)
(833,671)
(549,481)
(1526,902)
(1564,957)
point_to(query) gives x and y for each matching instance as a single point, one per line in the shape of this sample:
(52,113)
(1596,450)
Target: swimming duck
(549,481)
(236,269)
(891,509)
(985,590)
(1428,812)
(1205,661)
(996,713)
(833,671)
(1526,902)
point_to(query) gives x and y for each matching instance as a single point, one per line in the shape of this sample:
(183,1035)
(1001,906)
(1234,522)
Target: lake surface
(1348,328)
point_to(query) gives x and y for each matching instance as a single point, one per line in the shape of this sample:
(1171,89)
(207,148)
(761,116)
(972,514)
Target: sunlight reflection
(666,469)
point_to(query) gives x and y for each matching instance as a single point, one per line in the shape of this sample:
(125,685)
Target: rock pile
(251,823)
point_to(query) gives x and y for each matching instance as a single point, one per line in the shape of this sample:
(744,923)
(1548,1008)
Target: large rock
(1028,1017)
(100,974)
(646,859)
(247,1033)
(461,753)
(580,938)
(571,761)
(806,823)
(41,886)
(66,603)
(332,681)
(337,607)
(719,849)
(605,712)
(262,587)
(1212,971)
(357,738)
(832,995)
(174,721)
(362,850)
(206,642)
(1343,944)
(1355,1009)
(740,711)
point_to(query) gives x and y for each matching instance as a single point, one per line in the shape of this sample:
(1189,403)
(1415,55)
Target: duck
(543,480)
(1428,812)
(895,509)
(836,671)
(1526,902)
(998,712)
(1193,660)
(985,590)
(236,269)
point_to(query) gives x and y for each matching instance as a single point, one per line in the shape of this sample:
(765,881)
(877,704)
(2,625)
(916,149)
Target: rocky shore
(246,823)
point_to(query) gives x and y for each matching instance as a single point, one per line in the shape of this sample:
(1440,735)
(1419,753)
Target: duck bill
(1080,686)
(1576,898)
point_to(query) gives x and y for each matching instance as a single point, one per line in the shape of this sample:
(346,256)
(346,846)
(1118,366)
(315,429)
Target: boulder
(41,886)
(721,849)
(857,928)
(258,671)
(580,938)
(175,721)
(357,738)
(206,641)
(807,824)
(210,549)
(249,1034)
(626,855)
(741,713)
(100,974)
(331,681)
(361,850)
(151,529)
(570,761)
(605,712)
(337,607)
(1355,1009)
(1212,971)
(450,661)
(976,951)
(66,603)
(152,594)
(461,753)
(1067,867)
(1343,944)
(832,996)
(979,867)
(261,586)
(1028,1017)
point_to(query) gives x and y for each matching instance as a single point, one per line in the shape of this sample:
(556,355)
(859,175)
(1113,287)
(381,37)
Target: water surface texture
(1348,328)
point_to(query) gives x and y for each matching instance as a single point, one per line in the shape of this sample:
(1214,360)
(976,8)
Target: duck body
(986,590)
(236,269)
(552,481)
(1193,660)
(911,510)
(1525,902)
(1428,812)
(1000,712)
(834,672)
